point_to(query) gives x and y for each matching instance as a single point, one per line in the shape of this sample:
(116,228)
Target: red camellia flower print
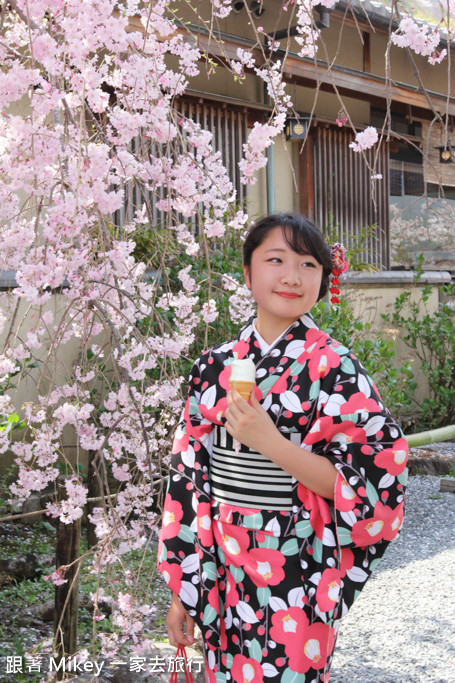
(385,524)
(245,670)
(347,560)
(183,435)
(345,432)
(232,595)
(321,363)
(345,497)
(214,598)
(314,339)
(265,566)
(204,524)
(328,590)
(281,384)
(359,403)
(319,509)
(172,574)
(173,513)
(307,645)
(215,413)
(393,459)
(233,541)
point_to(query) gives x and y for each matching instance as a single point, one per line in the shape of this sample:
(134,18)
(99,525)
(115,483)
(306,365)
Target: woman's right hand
(180,626)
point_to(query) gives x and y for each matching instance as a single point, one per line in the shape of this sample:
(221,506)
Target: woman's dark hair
(302,236)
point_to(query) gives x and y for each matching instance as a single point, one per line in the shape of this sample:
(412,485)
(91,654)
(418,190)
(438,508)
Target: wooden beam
(306,179)
(366,51)
(307,72)
(355,84)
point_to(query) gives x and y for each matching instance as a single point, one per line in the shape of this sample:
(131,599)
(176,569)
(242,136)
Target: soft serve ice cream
(243,377)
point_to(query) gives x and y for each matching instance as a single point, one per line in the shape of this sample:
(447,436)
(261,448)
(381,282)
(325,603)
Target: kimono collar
(299,328)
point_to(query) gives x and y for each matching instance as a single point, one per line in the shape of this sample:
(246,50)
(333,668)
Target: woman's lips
(288,295)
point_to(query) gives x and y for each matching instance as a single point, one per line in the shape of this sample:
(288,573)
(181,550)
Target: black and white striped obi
(248,479)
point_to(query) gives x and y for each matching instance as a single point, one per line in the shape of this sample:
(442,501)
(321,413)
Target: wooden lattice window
(345,195)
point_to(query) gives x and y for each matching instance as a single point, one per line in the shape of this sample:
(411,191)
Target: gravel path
(402,627)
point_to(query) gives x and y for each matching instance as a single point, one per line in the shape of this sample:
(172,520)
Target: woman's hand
(248,422)
(253,426)
(180,626)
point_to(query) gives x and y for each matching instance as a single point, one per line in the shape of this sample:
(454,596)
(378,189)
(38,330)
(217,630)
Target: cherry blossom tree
(88,94)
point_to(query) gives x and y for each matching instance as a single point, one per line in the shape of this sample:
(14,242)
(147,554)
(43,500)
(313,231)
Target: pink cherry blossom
(365,139)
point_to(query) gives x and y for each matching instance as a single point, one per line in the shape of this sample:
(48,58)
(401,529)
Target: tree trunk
(93,491)
(66,595)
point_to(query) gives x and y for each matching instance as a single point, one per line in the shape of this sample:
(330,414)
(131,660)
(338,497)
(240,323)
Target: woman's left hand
(248,422)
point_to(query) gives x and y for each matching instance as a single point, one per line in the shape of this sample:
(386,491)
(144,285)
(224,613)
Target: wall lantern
(446,154)
(297,128)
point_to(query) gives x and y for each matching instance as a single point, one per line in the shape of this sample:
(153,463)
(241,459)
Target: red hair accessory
(339,266)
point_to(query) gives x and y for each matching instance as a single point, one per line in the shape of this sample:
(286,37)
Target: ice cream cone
(244,388)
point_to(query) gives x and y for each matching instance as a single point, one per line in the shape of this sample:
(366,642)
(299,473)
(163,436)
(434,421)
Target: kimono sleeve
(357,433)
(187,498)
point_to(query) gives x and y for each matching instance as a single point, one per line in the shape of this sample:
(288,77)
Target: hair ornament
(339,266)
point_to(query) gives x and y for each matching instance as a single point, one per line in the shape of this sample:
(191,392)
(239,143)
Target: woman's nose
(291,276)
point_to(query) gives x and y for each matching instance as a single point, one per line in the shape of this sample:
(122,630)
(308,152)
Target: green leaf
(290,676)
(291,547)
(296,368)
(255,650)
(341,351)
(186,534)
(163,556)
(221,677)
(193,406)
(315,389)
(344,536)
(374,564)
(209,615)
(263,595)
(237,573)
(403,477)
(255,521)
(270,542)
(303,529)
(317,549)
(268,383)
(371,493)
(48,526)
(348,366)
(209,569)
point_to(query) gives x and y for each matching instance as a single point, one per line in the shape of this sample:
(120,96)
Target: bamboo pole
(431,436)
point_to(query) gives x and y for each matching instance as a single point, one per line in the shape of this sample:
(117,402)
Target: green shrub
(396,385)
(431,337)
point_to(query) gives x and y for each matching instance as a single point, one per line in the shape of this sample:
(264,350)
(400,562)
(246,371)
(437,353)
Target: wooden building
(320,175)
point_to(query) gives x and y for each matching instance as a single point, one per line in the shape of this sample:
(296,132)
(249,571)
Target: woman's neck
(271,330)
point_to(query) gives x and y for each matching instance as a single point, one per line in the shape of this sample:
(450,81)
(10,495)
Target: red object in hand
(181,652)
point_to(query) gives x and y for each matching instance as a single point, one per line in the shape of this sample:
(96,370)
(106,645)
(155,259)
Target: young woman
(267,548)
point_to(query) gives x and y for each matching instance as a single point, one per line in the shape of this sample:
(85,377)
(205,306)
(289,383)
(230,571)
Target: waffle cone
(244,388)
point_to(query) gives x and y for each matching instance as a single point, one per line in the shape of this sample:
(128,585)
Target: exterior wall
(328,105)
(373,294)
(47,376)
(434,171)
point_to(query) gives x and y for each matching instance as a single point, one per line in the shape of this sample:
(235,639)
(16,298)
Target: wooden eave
(349,82)
(310,72)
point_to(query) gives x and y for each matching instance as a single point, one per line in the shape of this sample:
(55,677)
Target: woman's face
(284,284)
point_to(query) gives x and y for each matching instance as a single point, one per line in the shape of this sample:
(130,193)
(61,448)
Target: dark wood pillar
(306,184)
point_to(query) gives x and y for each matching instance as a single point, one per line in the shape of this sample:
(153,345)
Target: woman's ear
(246,275)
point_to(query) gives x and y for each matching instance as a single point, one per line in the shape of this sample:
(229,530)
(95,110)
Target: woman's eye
(308,264)
(275,259)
